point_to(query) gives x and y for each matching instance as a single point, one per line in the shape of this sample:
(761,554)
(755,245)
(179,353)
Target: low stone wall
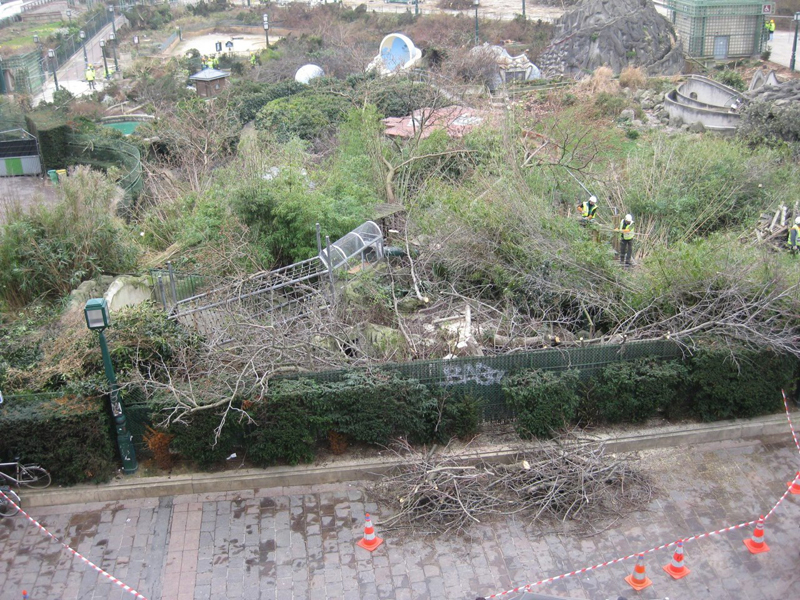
(705,101)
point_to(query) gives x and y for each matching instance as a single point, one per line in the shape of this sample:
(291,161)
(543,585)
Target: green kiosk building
(721,29)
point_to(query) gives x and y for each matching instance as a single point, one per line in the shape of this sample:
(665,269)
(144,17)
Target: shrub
(194,439)
(732,79)
(610,105)
(632,77)
(544,401)
(248,105)
(634,391)
(307,115)
(288,423)
(374,408)
(51,128)
(770,123)
(53,249)
(70,436)
(750,385)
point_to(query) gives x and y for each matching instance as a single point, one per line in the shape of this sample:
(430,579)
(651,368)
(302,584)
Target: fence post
(319,241)
(162,292)
(330,269)
(172,282)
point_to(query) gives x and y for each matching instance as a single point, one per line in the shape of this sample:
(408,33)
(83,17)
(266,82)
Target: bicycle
(30,476)
(6,508)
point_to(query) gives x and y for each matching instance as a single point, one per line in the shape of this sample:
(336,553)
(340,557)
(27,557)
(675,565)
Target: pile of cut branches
(567,479)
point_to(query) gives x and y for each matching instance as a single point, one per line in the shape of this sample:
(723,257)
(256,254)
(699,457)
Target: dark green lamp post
(97,319)
(476,4)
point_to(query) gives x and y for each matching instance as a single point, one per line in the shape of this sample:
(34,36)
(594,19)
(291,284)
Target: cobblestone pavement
(299,543)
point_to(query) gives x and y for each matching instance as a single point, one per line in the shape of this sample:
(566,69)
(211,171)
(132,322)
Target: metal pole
(85,56)
(113,19)
(172,282)
(416,7)
(105,62)
(114,52)
(124,438)
(794,45)
(162,291)
(523,9)
(330,269)
(319,242)
(476,24)
(52,68)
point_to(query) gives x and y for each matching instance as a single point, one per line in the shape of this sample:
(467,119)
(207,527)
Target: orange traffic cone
(676,569)
(794,486)
(757,544)
(370,541)
(638,580)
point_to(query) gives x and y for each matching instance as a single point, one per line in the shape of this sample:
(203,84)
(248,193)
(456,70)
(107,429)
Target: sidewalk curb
(247,479)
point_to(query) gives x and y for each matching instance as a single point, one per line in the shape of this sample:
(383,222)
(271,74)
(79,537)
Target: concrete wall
(716,119)
(708,91)
(127,290)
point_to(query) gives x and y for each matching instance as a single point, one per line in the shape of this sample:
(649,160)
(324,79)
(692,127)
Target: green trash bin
(53,176)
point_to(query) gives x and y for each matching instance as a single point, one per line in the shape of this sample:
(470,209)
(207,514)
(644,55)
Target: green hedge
(635,391)
(292,422)
(53,133)
(545,401)
(69,436)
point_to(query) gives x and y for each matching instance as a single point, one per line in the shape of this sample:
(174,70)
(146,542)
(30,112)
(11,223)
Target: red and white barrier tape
(125,587)
(528,586)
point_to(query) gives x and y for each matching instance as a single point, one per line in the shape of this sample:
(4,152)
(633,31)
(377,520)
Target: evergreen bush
(288,423)
(69,435)
(738,383)
(635,391)
(53,132)
(195,439)
(545,401)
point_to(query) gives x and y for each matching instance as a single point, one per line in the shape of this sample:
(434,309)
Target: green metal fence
(482,377)
(137,414)
(102,155)
(170,286)
(719,28)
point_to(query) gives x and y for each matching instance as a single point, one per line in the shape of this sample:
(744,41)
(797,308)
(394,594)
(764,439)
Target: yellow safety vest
(796,239)
(89,74)
(627,232)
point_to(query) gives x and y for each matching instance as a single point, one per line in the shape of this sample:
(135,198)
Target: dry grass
(602,80)
(633,78)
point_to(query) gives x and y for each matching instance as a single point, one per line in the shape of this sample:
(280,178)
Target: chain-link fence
(482,377)
(108,154)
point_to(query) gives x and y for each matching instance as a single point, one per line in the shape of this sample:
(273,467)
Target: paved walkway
(299,543)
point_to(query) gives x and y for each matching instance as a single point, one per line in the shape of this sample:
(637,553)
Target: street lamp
(113,18)
(113,38)
(69,16)
(476,3)
(97,319)
(82,35)
(416,7)
(523,9)
(266,28)
(51,54)
(794,45)
(180,33)
(103,52)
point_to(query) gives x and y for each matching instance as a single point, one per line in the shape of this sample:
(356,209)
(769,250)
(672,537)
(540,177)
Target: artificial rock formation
(615,33)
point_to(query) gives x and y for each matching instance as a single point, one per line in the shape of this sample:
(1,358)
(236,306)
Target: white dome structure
(308,72)
(397,53)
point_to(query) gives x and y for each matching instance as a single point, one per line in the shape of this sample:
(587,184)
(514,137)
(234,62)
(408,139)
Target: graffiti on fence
(478,373)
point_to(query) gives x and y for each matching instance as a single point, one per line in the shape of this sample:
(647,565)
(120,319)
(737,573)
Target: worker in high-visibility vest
(588,208)
(794,237)
(90,76)
(771,29)
(253,59)
(626,240)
